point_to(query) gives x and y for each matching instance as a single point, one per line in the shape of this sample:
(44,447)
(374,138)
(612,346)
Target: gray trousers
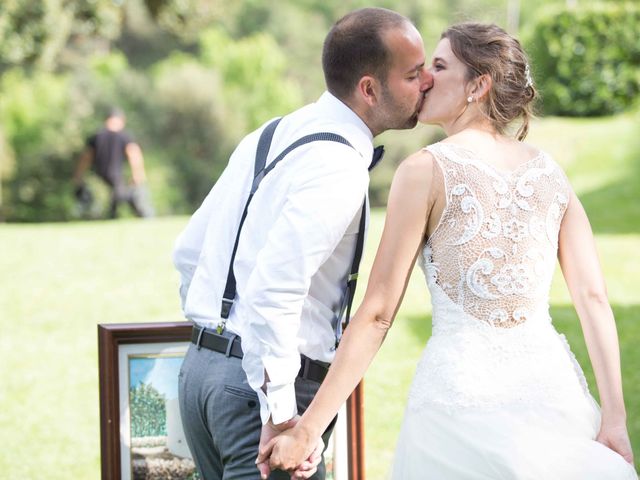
(136,196)
(221,416)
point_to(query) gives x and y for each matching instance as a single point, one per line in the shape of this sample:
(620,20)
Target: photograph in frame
(152,441)
(141,431)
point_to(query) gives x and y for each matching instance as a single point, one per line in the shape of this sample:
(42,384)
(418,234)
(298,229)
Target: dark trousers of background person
(136,196)
(221,416)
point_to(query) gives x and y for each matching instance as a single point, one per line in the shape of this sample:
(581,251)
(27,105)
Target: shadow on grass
(420,326)
(566,321)
(615,208)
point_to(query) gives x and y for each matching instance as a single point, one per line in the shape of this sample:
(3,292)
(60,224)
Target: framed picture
(141,434)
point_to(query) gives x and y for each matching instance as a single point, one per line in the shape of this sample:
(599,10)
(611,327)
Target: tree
(34,33)
(186,18)
(148,411)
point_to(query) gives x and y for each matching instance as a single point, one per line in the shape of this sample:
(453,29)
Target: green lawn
(60,280)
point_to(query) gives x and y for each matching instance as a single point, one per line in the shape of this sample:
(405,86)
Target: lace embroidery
(494,250)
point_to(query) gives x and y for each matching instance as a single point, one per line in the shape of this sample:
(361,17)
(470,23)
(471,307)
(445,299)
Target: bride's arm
(407,211)
(581,269)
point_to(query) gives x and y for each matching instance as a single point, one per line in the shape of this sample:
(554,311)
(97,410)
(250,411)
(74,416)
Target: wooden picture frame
(127,349)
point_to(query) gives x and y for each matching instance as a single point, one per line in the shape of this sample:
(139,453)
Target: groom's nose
(426,79)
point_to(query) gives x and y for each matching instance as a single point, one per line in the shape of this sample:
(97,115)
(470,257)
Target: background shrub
(193,130)
(42,134)
(587,61)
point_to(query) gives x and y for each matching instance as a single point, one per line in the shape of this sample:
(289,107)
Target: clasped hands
(288,447)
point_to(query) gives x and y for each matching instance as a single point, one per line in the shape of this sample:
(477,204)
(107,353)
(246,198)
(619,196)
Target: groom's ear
(368,90)
(481,86)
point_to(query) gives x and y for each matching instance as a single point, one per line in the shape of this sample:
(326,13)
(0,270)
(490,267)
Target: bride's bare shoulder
(416,171)
(417,162)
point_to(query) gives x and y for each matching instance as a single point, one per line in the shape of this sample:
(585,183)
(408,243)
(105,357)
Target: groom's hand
(293,451)
(269,431)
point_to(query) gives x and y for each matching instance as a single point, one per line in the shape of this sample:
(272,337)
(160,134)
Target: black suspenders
(260,171)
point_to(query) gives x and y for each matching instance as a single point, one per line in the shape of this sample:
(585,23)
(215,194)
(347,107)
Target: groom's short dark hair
(355,47)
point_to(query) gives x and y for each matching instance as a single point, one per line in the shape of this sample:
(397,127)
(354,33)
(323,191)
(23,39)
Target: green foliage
(21,31)
(7,158)
(95,17)
(254,64)
(186,112)
(46,119)
(587,61)
(185,18)
(36,32)
(106,67)
(194,76)
(148,411)
(192,125)
(42,137)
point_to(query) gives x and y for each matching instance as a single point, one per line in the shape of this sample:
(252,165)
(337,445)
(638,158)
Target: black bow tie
(378,153)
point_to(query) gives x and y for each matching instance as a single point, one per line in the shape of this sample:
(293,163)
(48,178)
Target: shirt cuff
(264,406)
(281,403)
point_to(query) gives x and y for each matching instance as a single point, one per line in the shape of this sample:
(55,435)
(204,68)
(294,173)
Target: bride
(497,393)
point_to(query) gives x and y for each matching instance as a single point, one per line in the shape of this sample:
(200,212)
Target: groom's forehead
(405,48)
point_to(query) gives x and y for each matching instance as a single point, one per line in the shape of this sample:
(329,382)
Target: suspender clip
(226,308)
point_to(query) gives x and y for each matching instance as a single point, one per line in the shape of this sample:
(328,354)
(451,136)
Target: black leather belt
(231,346)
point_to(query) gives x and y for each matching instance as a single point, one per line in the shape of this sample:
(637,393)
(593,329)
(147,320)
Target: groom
(265,326)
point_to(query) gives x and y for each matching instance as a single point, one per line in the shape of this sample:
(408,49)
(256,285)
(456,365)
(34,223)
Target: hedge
(586,61)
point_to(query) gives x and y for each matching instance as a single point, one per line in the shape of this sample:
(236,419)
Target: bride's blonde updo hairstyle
(488,49)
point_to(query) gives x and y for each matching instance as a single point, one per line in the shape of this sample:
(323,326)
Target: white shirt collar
(341,112)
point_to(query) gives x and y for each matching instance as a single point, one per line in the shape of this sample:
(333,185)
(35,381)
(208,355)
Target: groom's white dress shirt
(295,249)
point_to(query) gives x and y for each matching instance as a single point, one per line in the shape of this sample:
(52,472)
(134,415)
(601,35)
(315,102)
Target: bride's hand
(617,439)
(289,450)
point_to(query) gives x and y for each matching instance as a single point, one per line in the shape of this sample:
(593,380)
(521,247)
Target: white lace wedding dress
(497,393)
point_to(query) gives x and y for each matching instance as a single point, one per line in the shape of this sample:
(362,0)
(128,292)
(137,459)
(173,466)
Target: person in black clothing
(106,151)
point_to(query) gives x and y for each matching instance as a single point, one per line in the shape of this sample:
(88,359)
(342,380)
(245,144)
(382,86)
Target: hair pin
(527,75)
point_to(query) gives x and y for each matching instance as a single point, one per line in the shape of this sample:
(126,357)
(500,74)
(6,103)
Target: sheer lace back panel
(494,250)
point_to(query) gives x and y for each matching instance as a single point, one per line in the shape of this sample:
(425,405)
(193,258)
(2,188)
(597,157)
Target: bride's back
(494,248)
(499,151)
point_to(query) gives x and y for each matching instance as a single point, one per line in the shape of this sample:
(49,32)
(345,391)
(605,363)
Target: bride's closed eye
(438,64)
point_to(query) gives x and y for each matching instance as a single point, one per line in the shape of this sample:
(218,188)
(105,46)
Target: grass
(59,281)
